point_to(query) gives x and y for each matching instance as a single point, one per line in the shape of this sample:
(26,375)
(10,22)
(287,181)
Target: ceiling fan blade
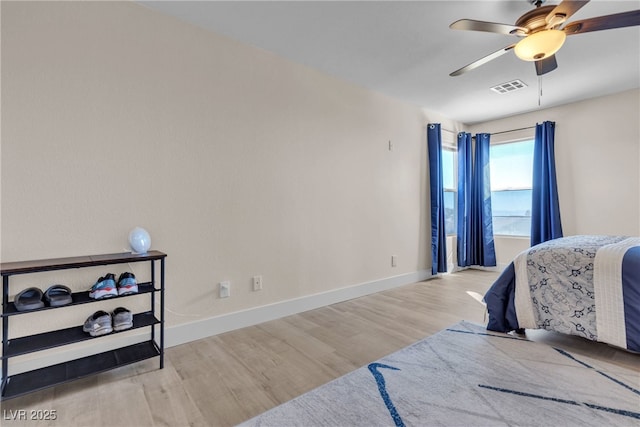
(546,65)
(490,27)
(563,11)
(482,61)
(606,22)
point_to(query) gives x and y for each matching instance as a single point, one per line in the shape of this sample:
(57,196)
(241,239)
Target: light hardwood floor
(226,379)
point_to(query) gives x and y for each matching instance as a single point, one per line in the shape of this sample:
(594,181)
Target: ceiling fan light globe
(540,45)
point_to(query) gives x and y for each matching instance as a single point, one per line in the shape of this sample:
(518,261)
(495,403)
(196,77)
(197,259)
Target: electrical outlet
(225,289)
(257,283)
(394,261)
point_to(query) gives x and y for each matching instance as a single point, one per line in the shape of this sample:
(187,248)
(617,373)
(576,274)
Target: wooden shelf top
(22,267)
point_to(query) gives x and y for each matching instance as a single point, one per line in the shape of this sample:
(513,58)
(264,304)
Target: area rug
(467,376)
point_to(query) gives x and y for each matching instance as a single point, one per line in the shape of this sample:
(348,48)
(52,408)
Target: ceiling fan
(541,32)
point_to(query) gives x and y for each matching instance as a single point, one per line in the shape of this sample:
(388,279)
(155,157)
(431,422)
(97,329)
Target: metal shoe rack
(26,382)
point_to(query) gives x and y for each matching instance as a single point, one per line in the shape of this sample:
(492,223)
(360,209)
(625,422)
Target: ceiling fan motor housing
(535,20)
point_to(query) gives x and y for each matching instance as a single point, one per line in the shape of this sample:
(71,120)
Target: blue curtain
(465,174)
(545,207)
(475,222)
(483,250)
(438,234)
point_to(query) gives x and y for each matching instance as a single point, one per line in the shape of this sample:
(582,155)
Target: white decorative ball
(139,240)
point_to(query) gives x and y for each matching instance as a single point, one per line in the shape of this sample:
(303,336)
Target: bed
(587,286)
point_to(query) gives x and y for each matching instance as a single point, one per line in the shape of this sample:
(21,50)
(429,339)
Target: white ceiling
(406,50)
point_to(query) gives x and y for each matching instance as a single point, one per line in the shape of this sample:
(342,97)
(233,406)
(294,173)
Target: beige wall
(597,145)
(238,162)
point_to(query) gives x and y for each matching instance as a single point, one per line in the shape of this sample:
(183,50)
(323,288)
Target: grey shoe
(122,319)
(99,323)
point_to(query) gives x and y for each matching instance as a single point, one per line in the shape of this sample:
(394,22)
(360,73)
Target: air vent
(511,86)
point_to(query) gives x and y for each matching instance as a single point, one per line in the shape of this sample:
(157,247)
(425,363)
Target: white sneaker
(99,323)
(122,319)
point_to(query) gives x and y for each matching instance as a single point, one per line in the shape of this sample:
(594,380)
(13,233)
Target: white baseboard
(184,333)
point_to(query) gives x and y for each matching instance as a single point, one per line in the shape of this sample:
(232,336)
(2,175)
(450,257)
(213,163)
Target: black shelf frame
(26,382)
(78,298)
(62,337)
(38,379)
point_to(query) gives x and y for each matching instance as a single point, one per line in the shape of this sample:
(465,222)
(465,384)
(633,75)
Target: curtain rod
(513,130)
(498,133)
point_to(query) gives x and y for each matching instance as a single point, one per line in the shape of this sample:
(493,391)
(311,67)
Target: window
(511,180)
(449,173)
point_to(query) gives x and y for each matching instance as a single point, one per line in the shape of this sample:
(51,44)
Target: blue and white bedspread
(580,285)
